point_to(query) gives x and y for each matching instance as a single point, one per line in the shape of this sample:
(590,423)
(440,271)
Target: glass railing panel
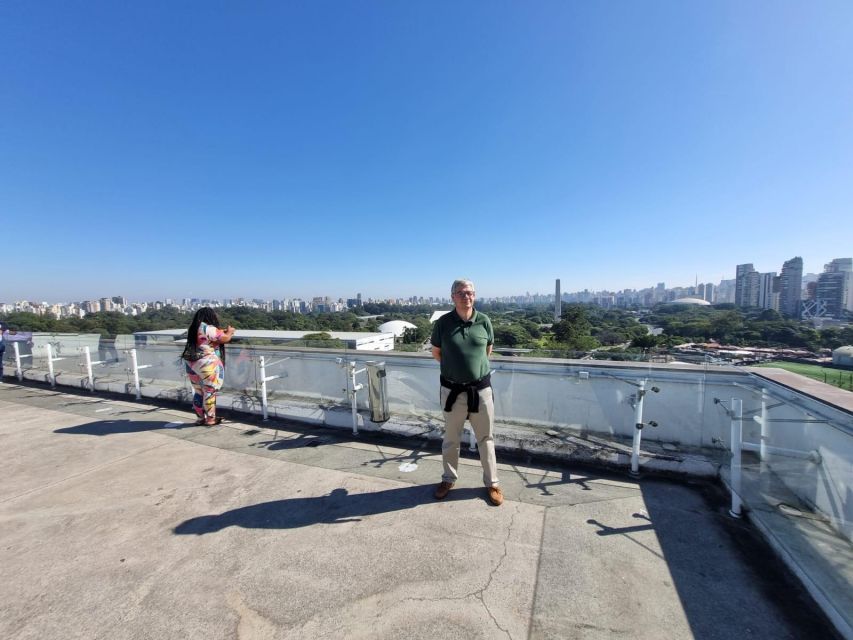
(111,362)
(63,348)
(159,365)
(797,456)
(589,398)
(23,346)
(286,375)
(791,473)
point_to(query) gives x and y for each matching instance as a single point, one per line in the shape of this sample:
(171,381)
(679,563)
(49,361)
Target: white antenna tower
(557,303)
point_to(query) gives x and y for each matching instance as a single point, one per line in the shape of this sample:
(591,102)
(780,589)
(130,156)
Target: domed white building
(699,302)
(843,356)
(397,327)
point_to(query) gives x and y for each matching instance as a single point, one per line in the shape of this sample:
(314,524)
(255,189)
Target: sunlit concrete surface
(121,520)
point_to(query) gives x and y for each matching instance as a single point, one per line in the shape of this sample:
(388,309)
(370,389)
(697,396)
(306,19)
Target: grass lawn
(838,377)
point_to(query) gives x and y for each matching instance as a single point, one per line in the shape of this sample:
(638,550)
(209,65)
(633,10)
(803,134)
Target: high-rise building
(835,287)
(726,291)
(746,286)
(768,291)
(91,306)
(791,287)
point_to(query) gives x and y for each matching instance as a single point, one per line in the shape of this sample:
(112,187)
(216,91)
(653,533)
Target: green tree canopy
(574,329)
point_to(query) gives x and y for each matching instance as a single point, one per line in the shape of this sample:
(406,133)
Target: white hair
(458,284)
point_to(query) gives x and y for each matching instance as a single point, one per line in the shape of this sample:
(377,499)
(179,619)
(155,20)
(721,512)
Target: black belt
(469,388)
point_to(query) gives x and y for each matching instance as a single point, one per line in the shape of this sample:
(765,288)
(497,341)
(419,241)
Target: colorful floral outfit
(207,373)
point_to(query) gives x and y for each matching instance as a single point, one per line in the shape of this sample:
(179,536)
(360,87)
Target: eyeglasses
(465,294)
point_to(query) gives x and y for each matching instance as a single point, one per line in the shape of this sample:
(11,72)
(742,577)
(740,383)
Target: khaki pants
(483,424)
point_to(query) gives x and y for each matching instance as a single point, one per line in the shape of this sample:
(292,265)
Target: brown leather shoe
(442,490)
(496,496)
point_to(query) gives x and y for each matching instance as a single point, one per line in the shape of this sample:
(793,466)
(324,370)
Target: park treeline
(110,323)
(581,327)
(727,324)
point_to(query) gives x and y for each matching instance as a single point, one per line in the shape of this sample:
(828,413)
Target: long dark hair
(208,316)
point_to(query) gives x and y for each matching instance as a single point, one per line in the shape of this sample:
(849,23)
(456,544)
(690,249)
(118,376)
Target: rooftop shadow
(110,427)
(337,507)
(717,563)
(565,478)
(297,442)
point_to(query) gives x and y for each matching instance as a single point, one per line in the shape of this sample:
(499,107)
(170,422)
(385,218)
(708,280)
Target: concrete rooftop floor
(122,520)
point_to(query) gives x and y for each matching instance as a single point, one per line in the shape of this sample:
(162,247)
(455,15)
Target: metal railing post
(736,448)
(135,366)
(765,436)
(263,387)
(638,429)
(52,376)
(262,364)
(18,371)
(88,364)
(88,357)
(355,389)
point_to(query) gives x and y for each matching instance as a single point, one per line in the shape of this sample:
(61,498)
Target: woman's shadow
(110,427)
(339,506)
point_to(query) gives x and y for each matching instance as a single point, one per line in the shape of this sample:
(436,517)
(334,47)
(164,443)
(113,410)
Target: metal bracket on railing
(264,379)
(763,448)
(722,403)
(18,357)
(134,368)
(636,401)
(795,420)
(87,363)
(50,361)
(765,407)
(354,389)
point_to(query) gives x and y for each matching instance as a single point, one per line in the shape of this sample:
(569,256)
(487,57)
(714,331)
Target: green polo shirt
(463,345)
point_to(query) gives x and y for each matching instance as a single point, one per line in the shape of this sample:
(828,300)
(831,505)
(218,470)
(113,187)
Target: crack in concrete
(633,496)
(480,594)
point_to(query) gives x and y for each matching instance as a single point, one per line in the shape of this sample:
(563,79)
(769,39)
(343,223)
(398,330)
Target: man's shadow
(337,507)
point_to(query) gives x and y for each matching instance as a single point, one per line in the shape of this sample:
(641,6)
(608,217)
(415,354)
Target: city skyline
(682,289)
(160,150)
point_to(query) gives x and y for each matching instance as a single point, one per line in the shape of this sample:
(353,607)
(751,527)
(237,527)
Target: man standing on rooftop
(462,342)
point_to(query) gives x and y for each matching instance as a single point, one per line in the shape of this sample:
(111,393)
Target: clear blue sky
(280,149)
